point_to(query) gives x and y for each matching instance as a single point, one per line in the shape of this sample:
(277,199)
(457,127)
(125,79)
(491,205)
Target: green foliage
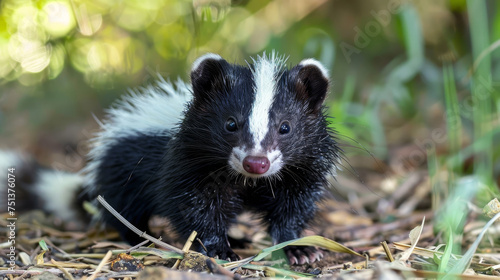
(451,209)
(391,65)
(481,83)
(453,122)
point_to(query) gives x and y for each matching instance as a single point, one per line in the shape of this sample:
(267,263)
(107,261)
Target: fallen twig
(136,230)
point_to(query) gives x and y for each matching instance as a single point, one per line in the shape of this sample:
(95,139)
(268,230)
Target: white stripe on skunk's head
(266,72)
(262,118)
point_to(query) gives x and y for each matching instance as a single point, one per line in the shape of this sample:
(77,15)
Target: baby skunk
(252,138)
(239,138)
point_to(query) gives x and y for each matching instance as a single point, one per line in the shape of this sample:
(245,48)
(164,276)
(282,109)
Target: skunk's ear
(311,83)
(208,73)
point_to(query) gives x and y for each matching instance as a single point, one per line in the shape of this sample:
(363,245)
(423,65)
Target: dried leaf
(414,237)
(492,208)
(39,258)
(25,258)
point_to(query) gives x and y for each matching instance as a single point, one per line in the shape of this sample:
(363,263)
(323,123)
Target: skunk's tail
(26,185)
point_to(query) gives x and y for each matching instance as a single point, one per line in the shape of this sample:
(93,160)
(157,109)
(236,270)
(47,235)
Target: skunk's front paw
(222,252)
(228,255)
(303,254)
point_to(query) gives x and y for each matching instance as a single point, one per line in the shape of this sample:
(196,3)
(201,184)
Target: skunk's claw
(303,254)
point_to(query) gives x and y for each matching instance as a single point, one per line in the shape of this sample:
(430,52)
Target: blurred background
(415,84)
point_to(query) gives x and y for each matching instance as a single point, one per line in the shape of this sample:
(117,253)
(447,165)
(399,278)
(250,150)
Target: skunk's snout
(256,165)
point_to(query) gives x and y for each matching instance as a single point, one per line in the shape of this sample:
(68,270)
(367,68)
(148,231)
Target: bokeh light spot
(32,55)
(57,18)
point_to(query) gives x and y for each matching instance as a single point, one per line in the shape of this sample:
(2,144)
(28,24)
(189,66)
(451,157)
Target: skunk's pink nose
(256,165)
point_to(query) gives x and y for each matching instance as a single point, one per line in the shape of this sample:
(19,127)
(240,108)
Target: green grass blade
(481,84)
(314,240)
(437,190)
(348,91)
(445,258)
(453,122)
(464,262)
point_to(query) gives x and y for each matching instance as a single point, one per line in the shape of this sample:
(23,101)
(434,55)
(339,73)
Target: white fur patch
(158,107)
(200,59)
(265,76)
(58,191)
(236,159)
(311,61)
(154,110)
(276,159)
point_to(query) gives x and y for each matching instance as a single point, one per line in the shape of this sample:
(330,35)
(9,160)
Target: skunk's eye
(285,128)
(231,125)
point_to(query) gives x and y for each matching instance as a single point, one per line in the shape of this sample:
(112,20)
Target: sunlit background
(63,62)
